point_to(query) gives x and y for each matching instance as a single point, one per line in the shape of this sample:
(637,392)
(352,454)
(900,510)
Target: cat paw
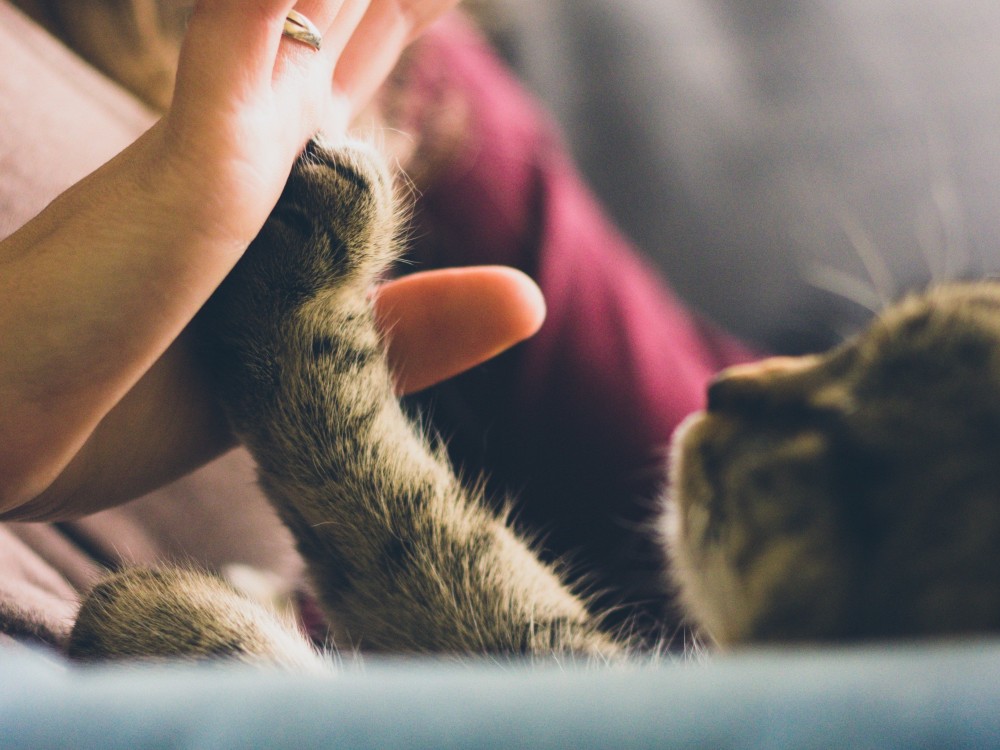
(334,227)
(174,614)
(347,190)
(303,284)
(335,224)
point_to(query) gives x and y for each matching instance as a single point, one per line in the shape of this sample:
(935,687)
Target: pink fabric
(59,119)
(576,421)
(616,337)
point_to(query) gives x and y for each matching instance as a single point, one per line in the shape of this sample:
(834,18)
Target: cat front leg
(403,556)
(178,614)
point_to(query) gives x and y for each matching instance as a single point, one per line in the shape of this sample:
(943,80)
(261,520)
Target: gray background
(788,165)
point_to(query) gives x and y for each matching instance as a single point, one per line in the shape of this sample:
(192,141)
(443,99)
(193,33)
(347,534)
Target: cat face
(850,495)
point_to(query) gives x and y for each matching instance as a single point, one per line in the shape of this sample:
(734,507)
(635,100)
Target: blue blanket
(940,696)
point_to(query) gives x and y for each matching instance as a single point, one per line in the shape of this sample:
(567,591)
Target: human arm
(100,285)
(438,323)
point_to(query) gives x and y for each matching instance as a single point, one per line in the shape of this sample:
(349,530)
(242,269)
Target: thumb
(440,323)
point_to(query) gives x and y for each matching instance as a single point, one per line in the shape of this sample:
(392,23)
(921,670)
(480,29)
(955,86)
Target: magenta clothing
(576,421)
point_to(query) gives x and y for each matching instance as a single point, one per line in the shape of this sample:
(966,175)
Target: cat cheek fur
(752,526)
(701,576)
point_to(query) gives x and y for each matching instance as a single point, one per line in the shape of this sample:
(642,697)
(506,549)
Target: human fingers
(343,29)
(333,21)
(229,49)
(235,53)
(440,323)
(371,52)
(303,73)
(247,99)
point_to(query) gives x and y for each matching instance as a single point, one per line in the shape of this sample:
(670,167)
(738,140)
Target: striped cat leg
(403,556)
(172,614)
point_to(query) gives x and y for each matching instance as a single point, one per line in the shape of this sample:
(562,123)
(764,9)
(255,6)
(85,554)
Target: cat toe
(340,205)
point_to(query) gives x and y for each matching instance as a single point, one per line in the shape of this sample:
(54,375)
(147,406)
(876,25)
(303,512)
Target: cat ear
(742,385)
(781,379)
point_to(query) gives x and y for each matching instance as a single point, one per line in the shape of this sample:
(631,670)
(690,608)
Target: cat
(853,495)
(836,497)
(402,556)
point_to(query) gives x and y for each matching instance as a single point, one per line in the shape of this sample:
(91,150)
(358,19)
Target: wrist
(203,194)
(111,272)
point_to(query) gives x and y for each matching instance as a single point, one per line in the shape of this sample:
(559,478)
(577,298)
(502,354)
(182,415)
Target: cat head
(850,495)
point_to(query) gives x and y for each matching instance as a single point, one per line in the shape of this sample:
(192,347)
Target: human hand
(116,267)
(437,324)
(247,98)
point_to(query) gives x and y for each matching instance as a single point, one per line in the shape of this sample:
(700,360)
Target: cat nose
(745,386)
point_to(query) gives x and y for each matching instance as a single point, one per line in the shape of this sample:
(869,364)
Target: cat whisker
(844,285)
(882,282)
(940,231)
